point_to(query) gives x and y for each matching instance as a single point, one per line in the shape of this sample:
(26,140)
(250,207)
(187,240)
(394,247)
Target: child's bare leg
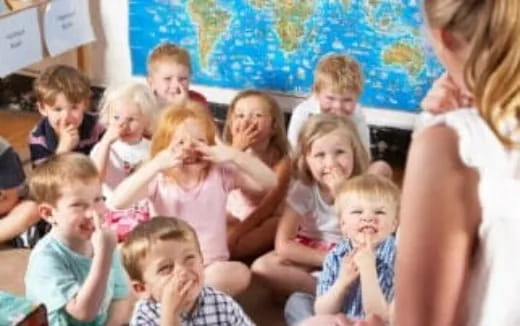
(257,241)
(284,277)
(231,277)
(381,168)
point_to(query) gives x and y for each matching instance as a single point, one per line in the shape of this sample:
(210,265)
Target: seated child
(74,270)
(338,83)
(164,262)
(255,124)
(189,175)
(329,150)
(63,97)
(169,73)
(19,219)
(128,111)
(357,278)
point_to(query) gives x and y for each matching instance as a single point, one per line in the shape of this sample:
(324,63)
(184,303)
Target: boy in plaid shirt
(163,259)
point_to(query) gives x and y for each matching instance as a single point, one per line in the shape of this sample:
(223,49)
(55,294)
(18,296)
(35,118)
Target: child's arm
(102,150)
(19,219)
(287,248)
(119,312)
(253,176)
(134,187)
(332,301)
(85,305)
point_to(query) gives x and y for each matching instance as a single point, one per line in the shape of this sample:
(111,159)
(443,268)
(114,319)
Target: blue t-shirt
(55,275)
(385,258)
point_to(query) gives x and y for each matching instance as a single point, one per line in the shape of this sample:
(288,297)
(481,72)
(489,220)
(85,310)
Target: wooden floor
(15,127)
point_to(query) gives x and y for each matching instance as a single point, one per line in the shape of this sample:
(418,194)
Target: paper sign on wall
(20,43)
(67,25)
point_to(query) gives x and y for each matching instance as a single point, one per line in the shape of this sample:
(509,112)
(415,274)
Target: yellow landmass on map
(211,22)
(291,17)
(346,4)
(404,55)
(261,3)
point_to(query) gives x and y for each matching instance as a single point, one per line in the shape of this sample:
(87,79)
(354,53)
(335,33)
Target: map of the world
(274,45)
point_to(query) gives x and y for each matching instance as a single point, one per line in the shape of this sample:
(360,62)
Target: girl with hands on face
(190,176)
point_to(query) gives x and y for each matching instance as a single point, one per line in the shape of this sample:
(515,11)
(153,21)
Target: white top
(494,287)
(311,106)
(123,159)
(319,219)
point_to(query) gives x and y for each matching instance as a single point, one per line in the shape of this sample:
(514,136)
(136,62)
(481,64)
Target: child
(328,151)
(338,82)
(63,98)
(164,262)
(17,212)
(190,177)
(357,275)
(129,112)
(460,232)
(255,124)
(74,269)
(169,73)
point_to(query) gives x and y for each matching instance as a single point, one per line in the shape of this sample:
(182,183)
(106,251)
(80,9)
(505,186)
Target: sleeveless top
(493,296)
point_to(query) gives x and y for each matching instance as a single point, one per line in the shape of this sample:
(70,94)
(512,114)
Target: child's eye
(183,79)
(79,205)
(189,257)
(319,154)
(380,212)
(356,211)
(116,117)
(166,269)
(340,151)
(57,109)
(99,199)
(131,120)
(240,115)
(167,78)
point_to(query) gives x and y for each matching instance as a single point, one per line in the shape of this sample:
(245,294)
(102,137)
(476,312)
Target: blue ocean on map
(274,45)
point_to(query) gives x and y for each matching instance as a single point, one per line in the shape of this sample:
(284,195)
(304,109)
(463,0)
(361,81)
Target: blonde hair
(168,52)
(278,142)
(134,92)
(142,239)
(492,70)
(339,72)
(174,115)
(318,126)
(48,179)
(368,186)
(61,79)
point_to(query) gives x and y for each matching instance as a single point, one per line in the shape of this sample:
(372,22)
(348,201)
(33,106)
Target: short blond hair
(340,73)
(61,79)
(318,126)
(142,239)
(49,178)
(133,92)
(369,186)
(168,52)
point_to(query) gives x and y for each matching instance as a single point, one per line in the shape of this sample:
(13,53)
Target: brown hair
(48,179)
(318,126)
(339,72)
(61,79)
(492,70)
(278,142)
(168,52)
(145,235)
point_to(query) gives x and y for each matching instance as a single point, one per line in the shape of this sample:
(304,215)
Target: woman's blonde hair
(133,92)
(318,126)
(278,144)
(492,71)
(174,115)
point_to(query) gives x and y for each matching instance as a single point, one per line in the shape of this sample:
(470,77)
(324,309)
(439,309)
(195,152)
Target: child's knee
(265,264)
(381,168)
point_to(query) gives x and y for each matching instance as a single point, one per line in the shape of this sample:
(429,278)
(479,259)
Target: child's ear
(140,289)
(45,210)
(41,108)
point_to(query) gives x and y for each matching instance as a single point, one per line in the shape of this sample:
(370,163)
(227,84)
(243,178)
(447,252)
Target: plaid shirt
(212,308)
(385,257)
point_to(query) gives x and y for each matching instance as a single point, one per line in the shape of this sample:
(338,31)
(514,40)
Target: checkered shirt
(212,308)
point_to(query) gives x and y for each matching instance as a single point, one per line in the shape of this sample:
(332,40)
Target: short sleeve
(300,198)
(227,172)
(50,281)
(120,282)
(236,315)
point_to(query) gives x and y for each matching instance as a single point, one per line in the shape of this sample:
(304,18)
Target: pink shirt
(203,207)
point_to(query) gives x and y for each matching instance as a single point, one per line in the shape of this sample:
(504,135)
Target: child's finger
(98,221)
(218,141)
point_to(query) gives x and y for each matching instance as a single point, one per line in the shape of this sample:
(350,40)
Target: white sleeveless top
(494,286)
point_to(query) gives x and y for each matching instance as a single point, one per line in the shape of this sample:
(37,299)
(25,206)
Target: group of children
(191,209)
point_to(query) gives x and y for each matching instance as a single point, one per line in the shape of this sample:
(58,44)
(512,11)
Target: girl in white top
(460,218)
(329,150)
(129,112)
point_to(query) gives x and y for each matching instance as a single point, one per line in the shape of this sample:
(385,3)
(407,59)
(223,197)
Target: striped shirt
(385,258)
(43,140)
(213,308)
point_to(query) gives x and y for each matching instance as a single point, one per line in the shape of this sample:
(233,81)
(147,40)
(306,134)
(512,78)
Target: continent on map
(346,4)
(211,22)
(404,55)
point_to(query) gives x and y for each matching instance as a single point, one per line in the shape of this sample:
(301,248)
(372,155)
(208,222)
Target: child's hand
(334,178)
(444,96)
(365,256)
(169,158)
(112,133)
(175,296)
(348,271)
(218,153)
(104,239)
(244,134)
(68,136)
